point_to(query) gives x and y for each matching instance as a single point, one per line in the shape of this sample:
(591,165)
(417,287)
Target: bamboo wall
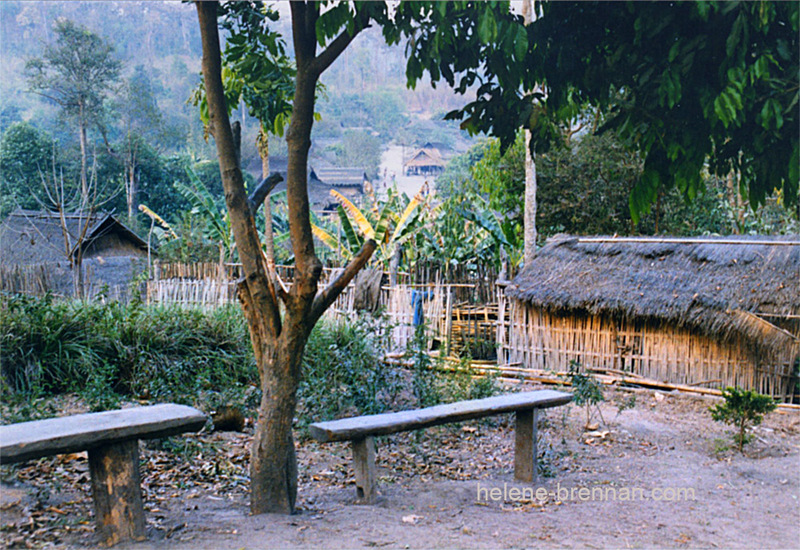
(547,341)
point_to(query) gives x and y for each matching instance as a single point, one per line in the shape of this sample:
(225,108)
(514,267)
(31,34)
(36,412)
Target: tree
(529,226)
(76,73)
(686,83)
(25,153)
(256,72)
(77,209)
(141,118)
(279,340)
(359,149)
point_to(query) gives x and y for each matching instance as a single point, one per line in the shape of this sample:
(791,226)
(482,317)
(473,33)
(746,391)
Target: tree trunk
(131,187)
(82,139)
(273,464)
(529,220)
(77,273)
(278,343)
(530,202)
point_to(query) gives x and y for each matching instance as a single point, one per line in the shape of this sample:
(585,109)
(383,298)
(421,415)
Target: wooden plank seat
(111,439)
(361,430)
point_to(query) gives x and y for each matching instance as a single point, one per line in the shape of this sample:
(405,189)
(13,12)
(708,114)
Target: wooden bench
(111,439)
(361,430)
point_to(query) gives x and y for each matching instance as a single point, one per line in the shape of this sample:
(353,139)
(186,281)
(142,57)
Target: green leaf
(735,37)
(487,26)
(353,240)
(383,222)
(520,43)
(644,194)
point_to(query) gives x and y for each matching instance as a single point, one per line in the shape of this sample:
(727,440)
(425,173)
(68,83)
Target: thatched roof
(727,287)
(30,237)
(426,155)
(340,177)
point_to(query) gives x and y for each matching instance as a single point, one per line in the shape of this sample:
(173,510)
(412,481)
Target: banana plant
(464,230)
(216,225)
(504,235)
(388,227)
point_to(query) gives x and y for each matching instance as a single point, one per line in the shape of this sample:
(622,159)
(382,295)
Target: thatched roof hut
(45,242)
(341,177)
(427,160)
(737,292)
(350,182)
(34,237)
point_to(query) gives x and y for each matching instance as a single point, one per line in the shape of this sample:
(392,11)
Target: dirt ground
(676,481)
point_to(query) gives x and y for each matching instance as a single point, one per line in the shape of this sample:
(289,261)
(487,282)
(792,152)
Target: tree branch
(335,48)
(304,47)
(262,191)
(324,299)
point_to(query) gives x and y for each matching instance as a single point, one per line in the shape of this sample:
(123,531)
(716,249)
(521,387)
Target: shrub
(163,352)
(587,391)
(343,372)
(742,409)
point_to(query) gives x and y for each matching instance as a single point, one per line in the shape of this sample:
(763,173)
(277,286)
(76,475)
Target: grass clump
(103,351)
(107,352)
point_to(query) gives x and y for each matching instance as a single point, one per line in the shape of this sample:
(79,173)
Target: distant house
(349,182)
(112,254)
(425,161)
(710,312)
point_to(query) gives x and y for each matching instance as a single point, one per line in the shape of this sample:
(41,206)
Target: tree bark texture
(82,139)
(278,342)
(131,187)
(263,151)
(529,219)
(531,234)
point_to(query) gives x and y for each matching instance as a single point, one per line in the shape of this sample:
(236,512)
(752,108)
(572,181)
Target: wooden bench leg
(525,447)
(116,491)
(364,463)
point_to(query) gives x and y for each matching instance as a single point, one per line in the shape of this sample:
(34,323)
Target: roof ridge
(764,240)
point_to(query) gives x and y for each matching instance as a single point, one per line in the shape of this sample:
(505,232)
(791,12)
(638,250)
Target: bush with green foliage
(742,409)
(343,373)
(106,352)
(102,350)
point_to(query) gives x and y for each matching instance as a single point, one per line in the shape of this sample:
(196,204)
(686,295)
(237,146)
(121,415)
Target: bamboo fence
(41,279)
(203,293)
(452,318)
(31,279)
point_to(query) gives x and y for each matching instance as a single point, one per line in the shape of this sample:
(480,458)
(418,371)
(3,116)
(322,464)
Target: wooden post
(116,492)
(525,447)
(364,464)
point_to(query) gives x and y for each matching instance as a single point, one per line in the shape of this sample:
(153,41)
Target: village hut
(38,249)
(711,312)
(425,161)
(350,182)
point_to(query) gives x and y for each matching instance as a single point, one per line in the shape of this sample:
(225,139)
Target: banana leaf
(361,221)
